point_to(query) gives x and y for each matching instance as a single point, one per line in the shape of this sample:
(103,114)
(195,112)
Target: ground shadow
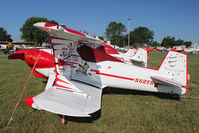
(142,93)
(109,91)
(45,81)
(94,116)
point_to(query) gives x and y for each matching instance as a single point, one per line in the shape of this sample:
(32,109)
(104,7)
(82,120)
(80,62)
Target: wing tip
(39,24)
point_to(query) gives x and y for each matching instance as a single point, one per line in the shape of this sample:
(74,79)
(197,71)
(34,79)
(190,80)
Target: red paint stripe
(38,74)
(159,65)
(115,76)
(57,79)
(74,32)
(186,87)
(110,75)
(67,29)
(50,25)
(186,91)
(96,71)
(163,61)
(171,82)
(62,86)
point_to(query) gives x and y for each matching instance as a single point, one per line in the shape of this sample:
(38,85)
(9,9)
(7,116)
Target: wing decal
(62,82)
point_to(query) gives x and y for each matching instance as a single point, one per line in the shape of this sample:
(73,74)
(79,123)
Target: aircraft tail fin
(175,68)
(130,52)
(140,58)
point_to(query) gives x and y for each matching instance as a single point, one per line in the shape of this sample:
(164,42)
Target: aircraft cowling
(46,59)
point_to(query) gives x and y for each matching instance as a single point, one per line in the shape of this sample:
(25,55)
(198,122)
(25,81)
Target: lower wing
(65,102)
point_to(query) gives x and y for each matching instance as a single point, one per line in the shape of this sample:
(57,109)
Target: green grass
(122,110)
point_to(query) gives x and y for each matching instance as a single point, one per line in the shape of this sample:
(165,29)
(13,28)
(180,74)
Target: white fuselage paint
(117,75)
(120,75)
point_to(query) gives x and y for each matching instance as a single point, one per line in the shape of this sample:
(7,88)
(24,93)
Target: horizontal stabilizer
(65,102)
(167,81)
(136,60)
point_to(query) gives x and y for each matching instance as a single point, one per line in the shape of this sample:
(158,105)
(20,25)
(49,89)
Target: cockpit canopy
(93,55)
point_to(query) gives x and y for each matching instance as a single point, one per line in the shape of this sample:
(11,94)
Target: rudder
(140,58)
(175,67)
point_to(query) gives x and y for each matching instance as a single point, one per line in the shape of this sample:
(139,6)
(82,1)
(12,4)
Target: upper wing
(66,33)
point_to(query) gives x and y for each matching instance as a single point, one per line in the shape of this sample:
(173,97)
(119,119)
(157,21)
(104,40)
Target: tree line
(4,36)
(115,32)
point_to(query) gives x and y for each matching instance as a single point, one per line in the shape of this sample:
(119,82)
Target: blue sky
(178,18)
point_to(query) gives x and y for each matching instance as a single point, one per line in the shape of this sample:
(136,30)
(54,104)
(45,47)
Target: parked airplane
(5,45)
(75,89)
(191,50)
(132,56)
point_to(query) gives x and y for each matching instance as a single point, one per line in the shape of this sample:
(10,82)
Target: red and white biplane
(78,69)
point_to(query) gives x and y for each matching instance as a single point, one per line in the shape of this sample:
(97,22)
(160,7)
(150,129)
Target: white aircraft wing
(66,33)
(62,101)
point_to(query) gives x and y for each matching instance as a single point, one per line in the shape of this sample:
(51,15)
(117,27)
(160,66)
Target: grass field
(122,111)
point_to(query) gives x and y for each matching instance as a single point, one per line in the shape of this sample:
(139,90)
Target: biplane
(79,70)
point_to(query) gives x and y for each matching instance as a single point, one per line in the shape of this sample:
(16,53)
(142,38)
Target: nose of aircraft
(30,56)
